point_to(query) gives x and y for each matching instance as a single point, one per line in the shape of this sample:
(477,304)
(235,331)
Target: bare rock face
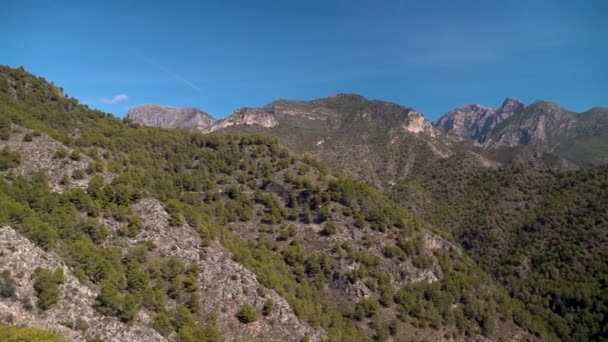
(539,123)
(416,123)
(476,121)
(248,117)
(73,316)
(542,124)
(171,117)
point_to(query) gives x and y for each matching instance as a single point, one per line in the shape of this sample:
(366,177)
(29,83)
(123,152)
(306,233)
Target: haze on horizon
(432,55)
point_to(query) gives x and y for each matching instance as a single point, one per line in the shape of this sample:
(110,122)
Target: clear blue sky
(220,55)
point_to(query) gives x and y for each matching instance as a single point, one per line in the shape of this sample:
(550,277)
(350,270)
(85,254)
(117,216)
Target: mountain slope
(349,263)
(171,117)
(544,126)
(540,231)
(375,141)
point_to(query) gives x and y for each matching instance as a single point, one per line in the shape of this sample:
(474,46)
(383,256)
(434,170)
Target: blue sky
(221,55)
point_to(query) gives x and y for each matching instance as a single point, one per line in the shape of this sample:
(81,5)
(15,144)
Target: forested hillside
(542,232)
(350,263)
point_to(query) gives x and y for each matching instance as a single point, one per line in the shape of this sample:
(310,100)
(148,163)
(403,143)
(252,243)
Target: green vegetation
(7,284)
(548,240)
(9,158)
(10,333)
(247,314)
(46,285)
(267,308)
(95,339)
(5,128)
(28,137)
(330,228)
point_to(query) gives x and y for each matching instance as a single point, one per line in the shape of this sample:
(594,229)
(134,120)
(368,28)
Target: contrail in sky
(159,66)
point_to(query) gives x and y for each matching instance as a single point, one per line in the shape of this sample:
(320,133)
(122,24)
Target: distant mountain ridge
(515,131)
(340,127)
(270,116)
(171,117)
(346,131)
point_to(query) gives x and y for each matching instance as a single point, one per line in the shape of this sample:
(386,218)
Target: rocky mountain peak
(348,96)
(511,105)
(538,124)
(469,121)
(171,117)
(476,121)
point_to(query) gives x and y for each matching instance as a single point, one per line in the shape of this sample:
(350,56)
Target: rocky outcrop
(73,316)
(247,117)
(171,117)
(475,121)
(416,123)
(225,284)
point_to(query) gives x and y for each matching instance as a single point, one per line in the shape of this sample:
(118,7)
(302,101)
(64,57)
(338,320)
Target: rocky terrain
(549,127)
(475,121)
(63,167)
(225,284)
(246,117)
(74,316)
(171,117)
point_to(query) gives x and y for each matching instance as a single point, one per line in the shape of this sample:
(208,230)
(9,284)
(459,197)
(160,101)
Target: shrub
(267,309)
(95,339)
(78,174)
(75,155)
(7,284)
(9,158)
(330,228)
(162,324)
(46,285)
(367,307)
(247,314)
(60,153)
(5,128)
(9,333)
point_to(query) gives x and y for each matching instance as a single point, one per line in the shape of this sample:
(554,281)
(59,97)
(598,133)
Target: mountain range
(339,219)
(382,142)
(506,133)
